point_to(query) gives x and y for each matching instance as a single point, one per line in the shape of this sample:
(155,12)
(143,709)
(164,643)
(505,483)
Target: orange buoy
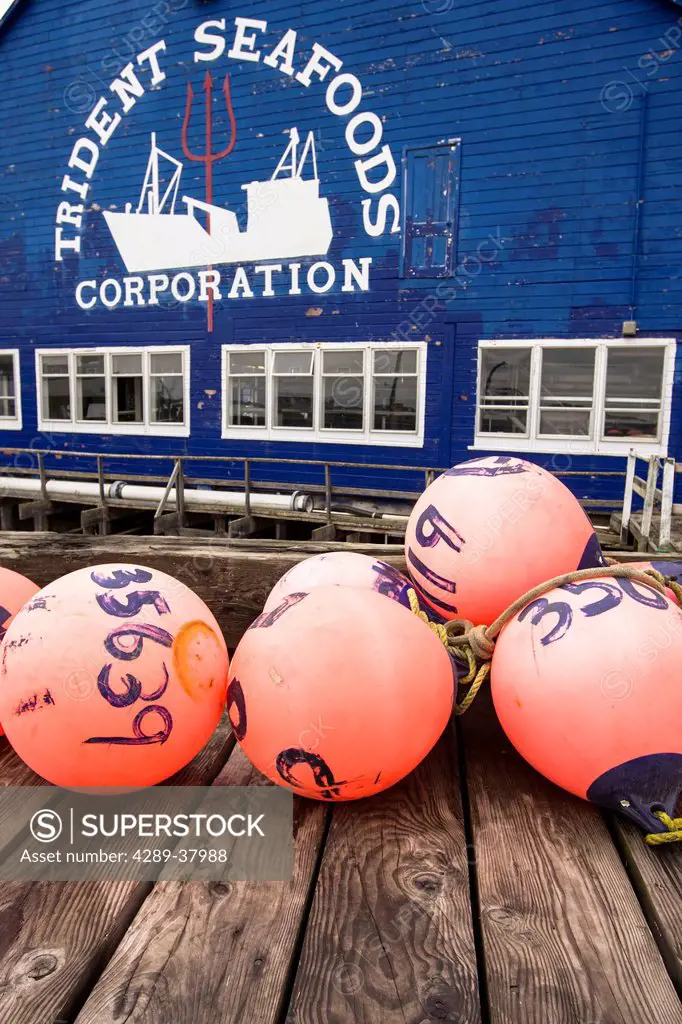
(342,568)
(338,693)
(586,683)
(489,529)
(15,591)
(115,675)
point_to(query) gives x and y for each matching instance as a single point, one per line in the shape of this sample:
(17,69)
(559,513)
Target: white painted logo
(286,218)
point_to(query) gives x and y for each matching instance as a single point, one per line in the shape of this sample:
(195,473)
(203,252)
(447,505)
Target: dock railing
(657,499)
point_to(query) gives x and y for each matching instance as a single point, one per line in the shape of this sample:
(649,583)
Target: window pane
(166,362)
(55,364)
(167,400)
(293,401)
(126,365)
(128,399)
(565,421)
(247,402)
(56,398)
(344,403)
(634,373)
(91,399)
(503,421)
(89,364)
(247,362)
(630,424)
(350,361)
(567,372)
(391,360)
(294,362)
(7,408)
(505,373)
(7,388)
(395,403)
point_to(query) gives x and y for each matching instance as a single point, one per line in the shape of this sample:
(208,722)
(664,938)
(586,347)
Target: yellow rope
(673,833)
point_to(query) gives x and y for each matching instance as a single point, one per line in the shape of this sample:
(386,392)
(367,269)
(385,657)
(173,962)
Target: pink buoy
(586,684)
(338,693)
(488,530)
(15,591)
(342,568)
(115,675)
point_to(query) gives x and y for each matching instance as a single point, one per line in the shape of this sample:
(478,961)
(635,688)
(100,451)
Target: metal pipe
(89,493)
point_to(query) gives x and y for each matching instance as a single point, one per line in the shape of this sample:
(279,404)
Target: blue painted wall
(547,98)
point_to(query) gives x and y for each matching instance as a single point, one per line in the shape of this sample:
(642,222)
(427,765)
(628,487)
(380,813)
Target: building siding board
(546,167)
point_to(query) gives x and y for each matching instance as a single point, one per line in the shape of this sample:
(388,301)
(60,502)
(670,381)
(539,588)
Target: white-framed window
(583,396)
(347,392)
(10,390)
(114,391)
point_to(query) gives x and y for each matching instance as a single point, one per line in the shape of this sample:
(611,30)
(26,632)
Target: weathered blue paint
(547,99)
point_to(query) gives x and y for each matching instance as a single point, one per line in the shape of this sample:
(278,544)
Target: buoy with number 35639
(339,693)
(488,530)
(342,568)
(115,675)
(15,591)
(587,684)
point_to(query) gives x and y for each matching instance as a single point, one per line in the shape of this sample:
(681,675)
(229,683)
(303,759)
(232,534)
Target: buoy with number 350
(488,530)
(339,693)
(115,675)
(15,591)
(587,684)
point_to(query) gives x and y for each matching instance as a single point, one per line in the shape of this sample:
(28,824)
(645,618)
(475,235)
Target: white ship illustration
(286,218)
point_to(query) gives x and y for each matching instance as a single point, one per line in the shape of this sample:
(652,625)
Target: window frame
(318,432)
(109,425)
(415,229)
(596,443)
(13,422)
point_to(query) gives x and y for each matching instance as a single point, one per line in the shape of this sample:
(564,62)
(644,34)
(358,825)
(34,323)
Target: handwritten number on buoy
(541,607)
(267,619)
(651,597)
(140,738)
(120,578)
(612,595)
(116,647)
(611,599)
(133,691)
(236,701)
(134,602)
(323,776)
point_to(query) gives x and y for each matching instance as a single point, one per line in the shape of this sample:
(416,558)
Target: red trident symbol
(208,158)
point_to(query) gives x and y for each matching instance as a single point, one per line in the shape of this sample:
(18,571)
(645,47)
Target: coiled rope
(476,644)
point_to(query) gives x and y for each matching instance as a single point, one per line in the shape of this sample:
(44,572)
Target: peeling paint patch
(314,311)
(211,392)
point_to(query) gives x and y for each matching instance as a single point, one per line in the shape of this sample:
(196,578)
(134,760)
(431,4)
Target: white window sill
(376,440)
(9,425)
(562,446)
(115,429)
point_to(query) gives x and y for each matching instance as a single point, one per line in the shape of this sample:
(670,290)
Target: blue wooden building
(398,232)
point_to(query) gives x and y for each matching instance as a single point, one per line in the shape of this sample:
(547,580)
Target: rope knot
(673,833)
(476,637)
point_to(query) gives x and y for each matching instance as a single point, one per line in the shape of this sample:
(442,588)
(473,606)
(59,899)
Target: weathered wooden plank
(390,937)
(203,953)
(233,577)
(657,877)
(55,937)
(564,938)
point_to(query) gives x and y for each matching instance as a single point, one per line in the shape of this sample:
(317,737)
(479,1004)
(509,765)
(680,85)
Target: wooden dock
(473,892)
